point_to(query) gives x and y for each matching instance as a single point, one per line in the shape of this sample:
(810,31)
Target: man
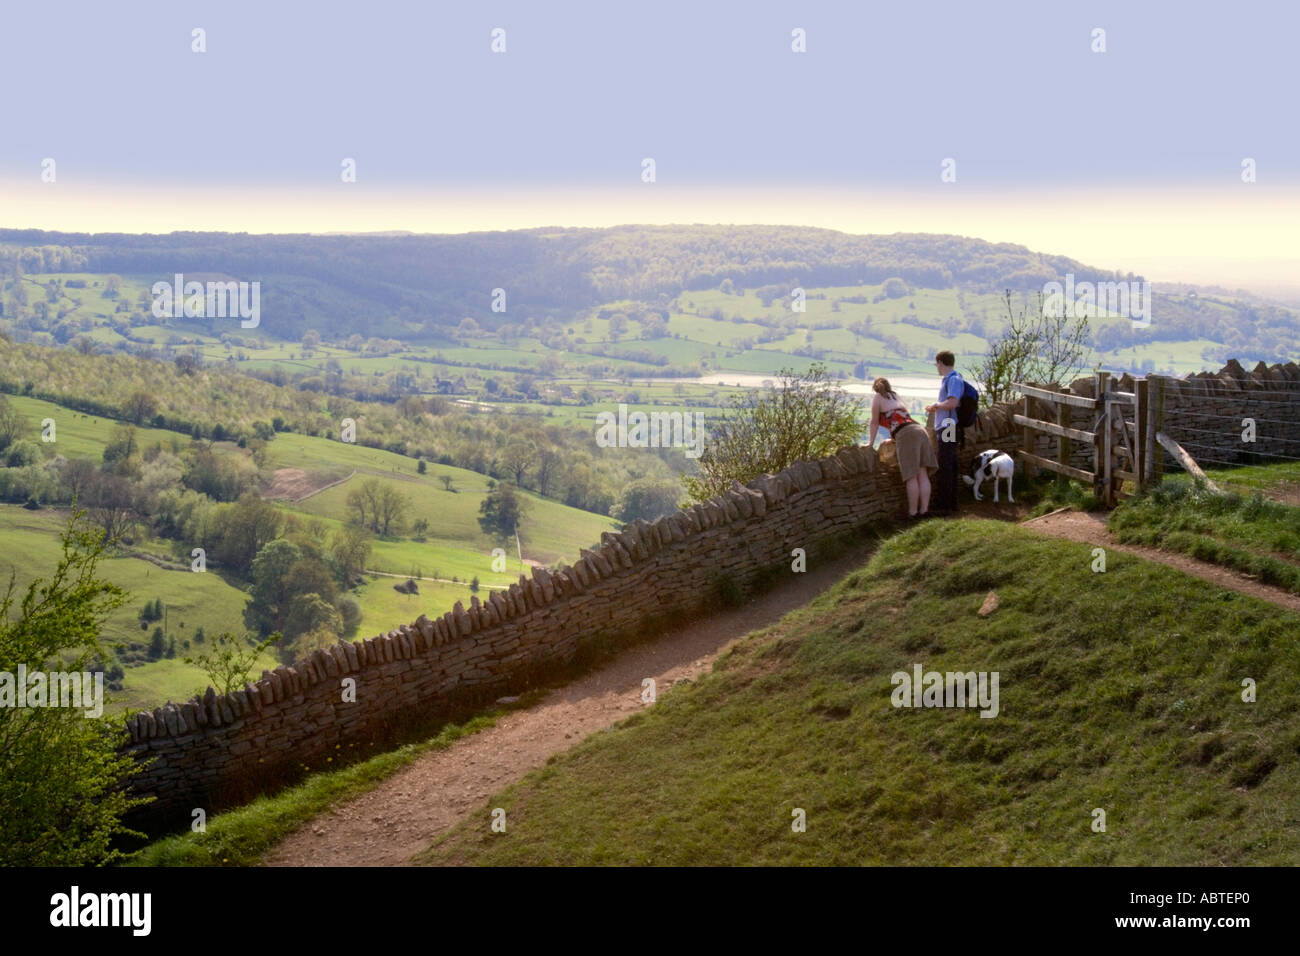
(945,431)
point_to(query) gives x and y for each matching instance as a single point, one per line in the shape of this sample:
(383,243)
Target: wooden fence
(1125,435)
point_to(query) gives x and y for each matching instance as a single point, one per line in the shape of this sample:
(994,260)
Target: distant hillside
(378,294)
(417,283)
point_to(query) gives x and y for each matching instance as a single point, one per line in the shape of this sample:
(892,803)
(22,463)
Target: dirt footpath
(402,815)
(1091,529)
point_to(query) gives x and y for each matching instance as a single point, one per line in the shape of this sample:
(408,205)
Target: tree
(157,644)
(246,527)
(645,498)
(152,611)
(500,511)
(61,774)
(378,506)
(1040,348)
(447,482)
(1063,342)
(350,613)
(894,288)
(12,425)
(517,458)
(361,506)
(316,639)
(310,575)
(283,573)
(393,508)
(121,445)
(271,591)
(22,453)
(229,660)
(549,462)
(109,498)
(800,418)
(311,612)
(349,550)
(140,406)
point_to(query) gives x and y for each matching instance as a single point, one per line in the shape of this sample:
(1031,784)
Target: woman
(916,457)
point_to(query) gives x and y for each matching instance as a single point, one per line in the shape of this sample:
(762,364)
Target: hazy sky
(1128,158)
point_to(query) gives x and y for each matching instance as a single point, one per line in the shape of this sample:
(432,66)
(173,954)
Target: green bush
(61,774)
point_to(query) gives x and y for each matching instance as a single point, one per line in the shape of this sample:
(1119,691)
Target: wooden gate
(1122,436)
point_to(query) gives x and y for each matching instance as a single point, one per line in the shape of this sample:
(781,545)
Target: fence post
(1141,421)
(1027,443)
(1063,419)
(1156,423)
(1101,443)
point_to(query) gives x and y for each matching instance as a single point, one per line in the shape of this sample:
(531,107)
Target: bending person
(916,457)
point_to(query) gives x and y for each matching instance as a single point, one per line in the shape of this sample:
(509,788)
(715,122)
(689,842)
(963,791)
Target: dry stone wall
(1205,412)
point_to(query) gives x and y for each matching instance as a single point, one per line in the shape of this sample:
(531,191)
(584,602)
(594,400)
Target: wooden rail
(1060,431)
(1056,466)
(1186,460)
(1046,394)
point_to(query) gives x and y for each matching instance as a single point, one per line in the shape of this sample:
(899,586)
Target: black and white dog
(991,464)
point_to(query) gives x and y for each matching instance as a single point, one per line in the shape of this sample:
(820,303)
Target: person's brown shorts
(912,442)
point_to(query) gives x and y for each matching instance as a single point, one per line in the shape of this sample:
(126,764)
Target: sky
(1130,158)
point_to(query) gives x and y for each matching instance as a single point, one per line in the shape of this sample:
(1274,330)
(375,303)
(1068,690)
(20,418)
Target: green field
(79,435)
(30,548)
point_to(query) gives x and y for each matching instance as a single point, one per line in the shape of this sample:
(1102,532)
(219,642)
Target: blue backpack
(968,405)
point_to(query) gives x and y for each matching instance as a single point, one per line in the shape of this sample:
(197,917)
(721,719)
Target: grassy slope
(1249,533)
(1118,690)
(79,435)
(29,548)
